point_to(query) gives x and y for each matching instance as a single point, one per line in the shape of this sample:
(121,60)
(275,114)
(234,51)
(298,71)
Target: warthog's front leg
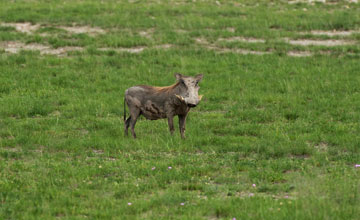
(171,124)
(182,122)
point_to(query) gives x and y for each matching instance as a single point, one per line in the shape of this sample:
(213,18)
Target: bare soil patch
(231,29)
(332,33)
(201,41)
(181,31)
(147,33)
(98,152)
(135,49)
(11,149)
(204,43)
(245,52)
(312,2)
(15,47)
(29,28)
(26,27)
(322,146)
(92,31)
(164,46)
(129,50)
(299,53)
(329,43)
(242,39)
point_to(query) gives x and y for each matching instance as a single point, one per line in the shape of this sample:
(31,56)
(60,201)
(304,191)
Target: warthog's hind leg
(127,124)
(135,113)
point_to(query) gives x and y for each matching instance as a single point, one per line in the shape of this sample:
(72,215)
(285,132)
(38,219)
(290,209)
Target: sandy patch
(29,28)
(333,33)
(299,53)
(26,27)
(242,39)
(245,52)
(98,152)
(200,40)
(181,31)
(164,46)
(304,42)
(204,43)
(322,146)
(61,50)
(92,31)
(11,149)
(15,47)
(230,29)
(129,50)
(329,43)
(147,33)
(319,1)
(306,1)
(136,49)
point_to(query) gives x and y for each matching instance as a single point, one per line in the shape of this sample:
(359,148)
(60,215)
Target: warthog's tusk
(200,97)
(180,97)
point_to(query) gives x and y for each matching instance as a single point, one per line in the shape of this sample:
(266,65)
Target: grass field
(276,135)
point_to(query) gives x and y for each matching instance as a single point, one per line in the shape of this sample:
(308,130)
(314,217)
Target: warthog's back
(151,103)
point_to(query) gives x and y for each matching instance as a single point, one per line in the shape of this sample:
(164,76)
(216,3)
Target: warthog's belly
(152,112)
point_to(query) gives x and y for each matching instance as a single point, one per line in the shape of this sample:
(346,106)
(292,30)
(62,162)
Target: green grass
(289,125)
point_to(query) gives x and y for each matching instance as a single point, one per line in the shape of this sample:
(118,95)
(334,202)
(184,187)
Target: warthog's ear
(178,76)
(199,77)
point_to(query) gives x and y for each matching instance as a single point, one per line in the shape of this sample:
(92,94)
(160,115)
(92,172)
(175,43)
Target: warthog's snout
(191,105)
(194,104)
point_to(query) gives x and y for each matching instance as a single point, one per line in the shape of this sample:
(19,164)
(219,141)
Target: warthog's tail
(124,109)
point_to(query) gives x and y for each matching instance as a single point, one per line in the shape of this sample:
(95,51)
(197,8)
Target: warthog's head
(188,89)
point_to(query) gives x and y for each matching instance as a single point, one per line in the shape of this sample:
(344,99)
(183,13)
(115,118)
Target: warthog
(162,102)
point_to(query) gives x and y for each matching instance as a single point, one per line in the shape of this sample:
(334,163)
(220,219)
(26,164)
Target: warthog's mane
(164,89)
